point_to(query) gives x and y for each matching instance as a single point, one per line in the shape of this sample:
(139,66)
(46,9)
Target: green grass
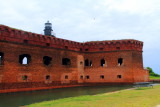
(143,97)
(153,77)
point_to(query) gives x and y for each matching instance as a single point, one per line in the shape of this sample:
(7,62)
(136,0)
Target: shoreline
(62,86)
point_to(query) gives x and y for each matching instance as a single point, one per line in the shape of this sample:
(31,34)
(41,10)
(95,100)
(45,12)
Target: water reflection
(25,98)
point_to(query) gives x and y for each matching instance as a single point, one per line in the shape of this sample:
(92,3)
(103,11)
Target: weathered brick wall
(131,69)
(36,71)
(14,43)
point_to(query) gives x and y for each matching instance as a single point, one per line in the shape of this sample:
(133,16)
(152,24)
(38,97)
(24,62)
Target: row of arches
(48,77)
(25,77)
(25,59)
(101,77)
(88,62)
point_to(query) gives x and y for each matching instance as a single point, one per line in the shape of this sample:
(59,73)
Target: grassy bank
(154,77)
(144,97)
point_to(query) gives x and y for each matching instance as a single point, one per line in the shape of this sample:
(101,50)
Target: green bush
(152,73)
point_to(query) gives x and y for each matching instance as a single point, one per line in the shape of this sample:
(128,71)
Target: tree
(151,72)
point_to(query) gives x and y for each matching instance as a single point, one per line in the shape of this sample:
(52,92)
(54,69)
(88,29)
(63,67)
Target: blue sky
(91,20)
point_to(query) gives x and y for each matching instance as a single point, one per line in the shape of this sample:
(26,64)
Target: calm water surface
(24,98)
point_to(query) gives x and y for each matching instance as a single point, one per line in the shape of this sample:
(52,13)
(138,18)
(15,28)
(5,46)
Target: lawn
(143,97)
(153,77)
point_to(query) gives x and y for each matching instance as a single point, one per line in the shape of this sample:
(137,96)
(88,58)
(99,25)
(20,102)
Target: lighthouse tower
(48,29)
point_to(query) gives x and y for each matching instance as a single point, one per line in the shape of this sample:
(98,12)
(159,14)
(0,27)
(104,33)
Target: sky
(91,20)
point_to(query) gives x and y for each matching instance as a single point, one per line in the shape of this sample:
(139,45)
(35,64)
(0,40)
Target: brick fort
(30,61)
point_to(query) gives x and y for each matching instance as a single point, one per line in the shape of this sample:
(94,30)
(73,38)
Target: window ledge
(25,65)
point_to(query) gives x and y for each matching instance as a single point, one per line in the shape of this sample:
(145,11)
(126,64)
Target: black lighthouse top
(48,29)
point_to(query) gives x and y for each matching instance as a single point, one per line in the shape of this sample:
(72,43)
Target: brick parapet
(19,36)
(114,45)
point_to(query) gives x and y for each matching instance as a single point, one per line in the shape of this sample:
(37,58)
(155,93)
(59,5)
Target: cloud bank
(90,20)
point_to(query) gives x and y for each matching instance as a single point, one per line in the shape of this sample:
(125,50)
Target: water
(24,98)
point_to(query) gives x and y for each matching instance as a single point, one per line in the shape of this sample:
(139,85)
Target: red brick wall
(131,70)
(12,45)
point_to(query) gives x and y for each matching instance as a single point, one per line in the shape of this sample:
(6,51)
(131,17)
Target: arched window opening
(88,63)
(81,77)
(86,49)
(1,58)
(87,77)
(47,60)
(24,77)
(24,59)
(120,61)
(102,62)
(66,77)
(48,44)
(102,76)
(25,41)
(81,63)
(66,61)
(48,77)
(66,47)
(119,76)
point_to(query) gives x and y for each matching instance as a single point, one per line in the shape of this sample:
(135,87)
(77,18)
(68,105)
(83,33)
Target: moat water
(24,98)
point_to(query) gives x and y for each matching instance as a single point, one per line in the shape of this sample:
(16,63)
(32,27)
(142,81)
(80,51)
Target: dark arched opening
(66,77)
(24,77)
(120,61)
(81,77)
(87,77)
(24,59)
(48,77)
(88,63)
(119,76)
(102,62)
(81,63)
(47,60)
(102,76)
(1,58)
(66,61)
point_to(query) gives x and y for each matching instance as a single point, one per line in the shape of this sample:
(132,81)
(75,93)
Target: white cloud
(133,6)
(88,20)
